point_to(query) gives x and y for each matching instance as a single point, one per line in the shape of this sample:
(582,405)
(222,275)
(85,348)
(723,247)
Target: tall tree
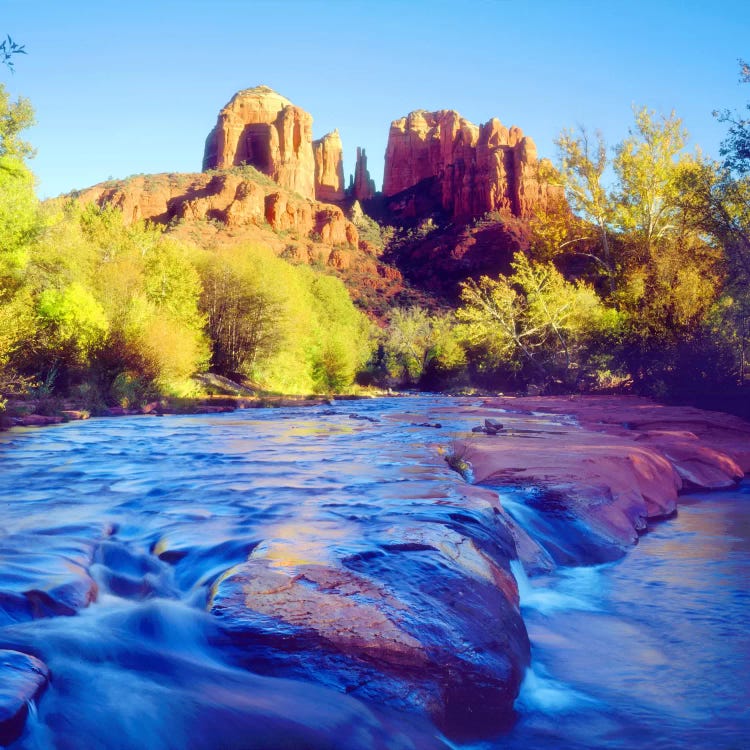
(647,164)
(15,117)
(583,163)
(534,316)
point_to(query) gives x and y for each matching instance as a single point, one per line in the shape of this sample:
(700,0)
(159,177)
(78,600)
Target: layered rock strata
(265,130)
(598,468)
(476,169)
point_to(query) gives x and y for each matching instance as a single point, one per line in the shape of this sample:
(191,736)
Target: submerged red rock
(22,680)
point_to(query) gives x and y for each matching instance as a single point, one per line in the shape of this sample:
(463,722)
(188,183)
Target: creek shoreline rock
(608,463)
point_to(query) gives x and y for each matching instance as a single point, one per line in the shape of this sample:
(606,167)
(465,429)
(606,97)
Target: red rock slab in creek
(22,680)
(423,621)
(725,435)
(699,466)
(610,484)
(36,420)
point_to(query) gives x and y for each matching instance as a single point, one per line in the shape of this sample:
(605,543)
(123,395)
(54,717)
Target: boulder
(421,615)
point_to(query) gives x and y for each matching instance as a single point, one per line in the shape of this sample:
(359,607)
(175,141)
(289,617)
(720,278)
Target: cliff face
(261,128)
(329,167)
(472,169)
(230,198)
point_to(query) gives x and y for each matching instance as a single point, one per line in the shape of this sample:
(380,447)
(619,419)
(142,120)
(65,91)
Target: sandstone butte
(604,465)
(476,169)
(261,170)
(264,129)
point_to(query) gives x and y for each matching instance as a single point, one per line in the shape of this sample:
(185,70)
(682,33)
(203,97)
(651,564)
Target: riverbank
(42,413)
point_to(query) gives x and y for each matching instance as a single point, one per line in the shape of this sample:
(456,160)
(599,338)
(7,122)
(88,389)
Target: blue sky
(129,87)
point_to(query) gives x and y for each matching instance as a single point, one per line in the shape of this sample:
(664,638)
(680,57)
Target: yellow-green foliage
(111,299)
(287,328)
(534,317)
(418,343)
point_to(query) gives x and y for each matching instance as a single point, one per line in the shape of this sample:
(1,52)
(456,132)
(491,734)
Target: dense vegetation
(109,313)
(641,282)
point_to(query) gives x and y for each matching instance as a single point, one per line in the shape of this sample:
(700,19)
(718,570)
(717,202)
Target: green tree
(647,165)
(582,168)
(736,146)
(534,318)
(15,117)
(242,317)
(419,347)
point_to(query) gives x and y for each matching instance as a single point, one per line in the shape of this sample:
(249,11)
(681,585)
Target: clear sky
(134,86)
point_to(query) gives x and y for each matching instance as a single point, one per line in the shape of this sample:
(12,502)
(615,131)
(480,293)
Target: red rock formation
(363,187)
(424,618)
(624,460)
(261,128)
(231,198)
(478,169)
(329,168)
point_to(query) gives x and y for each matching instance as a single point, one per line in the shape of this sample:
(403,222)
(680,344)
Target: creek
(150,513)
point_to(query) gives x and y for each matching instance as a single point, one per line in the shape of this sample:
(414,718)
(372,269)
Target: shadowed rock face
(261,128)
(363,186)
(477,168)
(422,617)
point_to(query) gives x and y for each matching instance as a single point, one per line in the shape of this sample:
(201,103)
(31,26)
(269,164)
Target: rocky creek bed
(302,578)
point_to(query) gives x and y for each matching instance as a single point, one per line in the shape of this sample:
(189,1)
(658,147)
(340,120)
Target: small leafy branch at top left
(8,48)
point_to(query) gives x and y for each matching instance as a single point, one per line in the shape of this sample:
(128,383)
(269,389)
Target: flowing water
(653,650)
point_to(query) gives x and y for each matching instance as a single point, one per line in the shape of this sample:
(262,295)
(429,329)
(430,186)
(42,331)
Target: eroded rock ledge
(607,463)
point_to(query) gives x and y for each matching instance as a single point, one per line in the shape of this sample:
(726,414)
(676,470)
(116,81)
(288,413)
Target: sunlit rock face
(475,169)
(231,198)
(264,129)
(600,478)
(329,167)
